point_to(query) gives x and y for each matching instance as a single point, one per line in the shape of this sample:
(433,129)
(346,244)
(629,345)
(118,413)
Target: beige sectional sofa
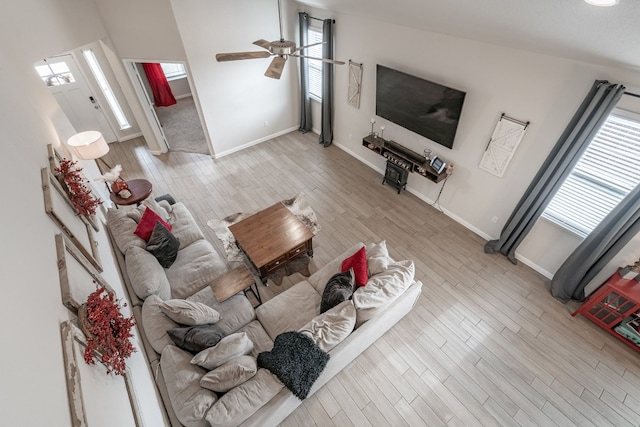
(262,399)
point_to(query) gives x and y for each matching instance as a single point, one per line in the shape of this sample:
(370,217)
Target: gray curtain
(326,126)
(592,113)
(305,99)
(595,252)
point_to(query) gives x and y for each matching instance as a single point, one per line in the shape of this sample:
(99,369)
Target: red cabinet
(613,305)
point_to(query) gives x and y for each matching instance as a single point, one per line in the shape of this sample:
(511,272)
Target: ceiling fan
(280,49)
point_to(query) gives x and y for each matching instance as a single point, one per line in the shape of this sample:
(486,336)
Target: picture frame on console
(95,398)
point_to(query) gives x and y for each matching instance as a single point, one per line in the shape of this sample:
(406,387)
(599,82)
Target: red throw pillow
(359,263)
(147,222)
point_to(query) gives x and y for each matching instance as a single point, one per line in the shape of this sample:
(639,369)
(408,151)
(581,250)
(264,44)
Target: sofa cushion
(339,288)
(277,316)
(195,267)
(163,245)
(235,312)
(331,327)
(229,375)
(242,401)
(320,278)
(189,313)
(357,261)
(189,401)
(156,323)
(229,347)
(196,338)
(183,225)
(378,258)
(382,289)
(147,223)
(258,336)
(160,209)
(146,274)
(122,227)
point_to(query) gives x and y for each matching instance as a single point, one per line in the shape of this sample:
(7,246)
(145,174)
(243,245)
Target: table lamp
(90,145)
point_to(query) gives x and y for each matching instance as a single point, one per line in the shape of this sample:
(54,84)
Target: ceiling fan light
(602,3)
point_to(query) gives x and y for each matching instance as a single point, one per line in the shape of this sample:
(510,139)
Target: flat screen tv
(423,107)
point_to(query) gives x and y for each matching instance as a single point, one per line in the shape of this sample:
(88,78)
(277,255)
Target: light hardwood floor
(486,345)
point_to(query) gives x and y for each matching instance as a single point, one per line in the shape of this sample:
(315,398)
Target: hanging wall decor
(503,144)
(355,84)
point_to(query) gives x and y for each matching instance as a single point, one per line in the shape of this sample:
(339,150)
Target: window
(315,67)
(607,171)
(91,59)
(173,71)
(55,74)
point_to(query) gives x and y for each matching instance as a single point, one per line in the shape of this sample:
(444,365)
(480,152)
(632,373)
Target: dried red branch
(79,193)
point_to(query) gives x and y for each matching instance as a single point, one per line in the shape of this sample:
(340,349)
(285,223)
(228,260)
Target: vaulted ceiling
(566,28)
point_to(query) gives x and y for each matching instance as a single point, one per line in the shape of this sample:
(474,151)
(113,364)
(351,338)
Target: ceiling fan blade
(330,61)
(235,56)
(275,68)
(262,43)
(309,45)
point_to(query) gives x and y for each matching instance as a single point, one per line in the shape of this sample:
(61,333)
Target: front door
(67,84)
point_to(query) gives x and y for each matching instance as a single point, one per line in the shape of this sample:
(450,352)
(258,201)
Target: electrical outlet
(266,123)
(495,219)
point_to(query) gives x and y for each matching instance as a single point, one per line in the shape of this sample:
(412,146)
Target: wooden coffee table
(237,280)
(272,238)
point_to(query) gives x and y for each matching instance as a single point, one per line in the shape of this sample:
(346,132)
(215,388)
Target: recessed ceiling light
(602,3)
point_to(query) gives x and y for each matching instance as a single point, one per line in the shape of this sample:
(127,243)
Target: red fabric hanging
(162,95)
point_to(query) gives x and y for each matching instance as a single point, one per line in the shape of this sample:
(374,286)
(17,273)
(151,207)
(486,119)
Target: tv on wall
(426,108)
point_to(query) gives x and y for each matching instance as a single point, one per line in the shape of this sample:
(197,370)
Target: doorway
(65,81)
(181,122)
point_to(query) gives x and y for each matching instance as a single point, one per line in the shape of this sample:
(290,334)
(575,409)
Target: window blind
(315,66)
(607,171)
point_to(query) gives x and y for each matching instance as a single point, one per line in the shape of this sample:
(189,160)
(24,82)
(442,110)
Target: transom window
(607,171)
(55,74)
(315,67)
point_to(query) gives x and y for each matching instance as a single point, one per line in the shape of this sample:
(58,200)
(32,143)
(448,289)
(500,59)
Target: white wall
(236,99)
(33,387)
(543,89)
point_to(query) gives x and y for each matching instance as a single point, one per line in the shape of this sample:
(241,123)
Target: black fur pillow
(339,288)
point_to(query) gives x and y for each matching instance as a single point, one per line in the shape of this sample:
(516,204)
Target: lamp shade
(89,145)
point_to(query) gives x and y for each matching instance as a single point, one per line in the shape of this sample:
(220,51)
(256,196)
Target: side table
(140,189)
(234,281)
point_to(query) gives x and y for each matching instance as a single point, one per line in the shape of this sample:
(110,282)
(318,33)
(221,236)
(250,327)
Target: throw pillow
(358,262)
(230,375)
(196,338)
(331,327)
(339,288)
(147,223)
(163,245)
(296,360)
(228,348)
(378,258)
(189,313)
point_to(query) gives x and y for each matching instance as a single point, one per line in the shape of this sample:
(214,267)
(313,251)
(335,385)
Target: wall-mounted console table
(403,157)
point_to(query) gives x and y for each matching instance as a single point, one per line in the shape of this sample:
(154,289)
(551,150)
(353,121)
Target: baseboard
(448,213)
(186,95)
(129,137)
(252,143)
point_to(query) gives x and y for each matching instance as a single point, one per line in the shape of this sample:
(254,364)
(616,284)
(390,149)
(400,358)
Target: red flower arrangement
(80,195)
(109,332)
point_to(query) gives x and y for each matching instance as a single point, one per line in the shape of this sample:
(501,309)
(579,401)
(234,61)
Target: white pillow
(228,348)
(386,286)
(229,375)
(378,258)
(189,313)
(331,327)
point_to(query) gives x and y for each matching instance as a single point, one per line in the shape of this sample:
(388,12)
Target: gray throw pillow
(339,288)
(196,338)
(163,245)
